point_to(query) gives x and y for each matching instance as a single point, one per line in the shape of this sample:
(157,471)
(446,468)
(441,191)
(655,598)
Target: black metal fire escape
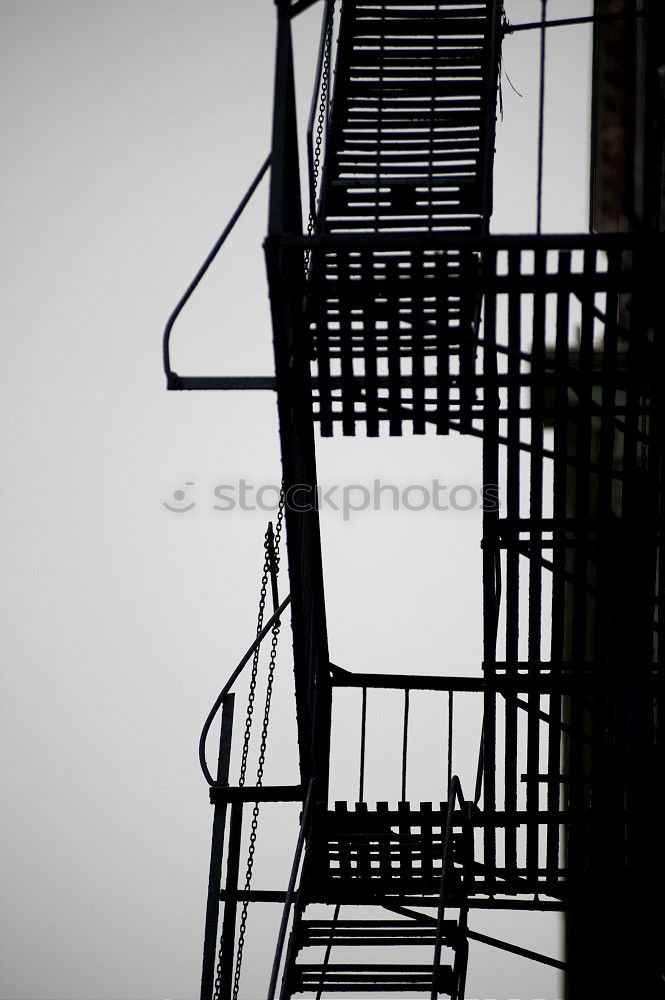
(398,310)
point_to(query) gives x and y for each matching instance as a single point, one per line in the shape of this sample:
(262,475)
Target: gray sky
(130,131)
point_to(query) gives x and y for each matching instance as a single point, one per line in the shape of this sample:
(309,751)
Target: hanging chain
(246,740)
(321,123)
(255,663)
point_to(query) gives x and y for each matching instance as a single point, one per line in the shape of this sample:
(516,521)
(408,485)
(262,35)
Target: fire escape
(395,310)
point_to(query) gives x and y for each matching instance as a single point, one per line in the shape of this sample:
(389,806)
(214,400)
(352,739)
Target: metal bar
(224,383)
(298,6)
(442,241)
(394,360)
(554,722)
(490,617)
(607,439)
(492,64)
(319,306)
(363,733)
(554,375)
(346,678)
(315,100)
(166,349)
(558,604)
(447,868)
(480,768)
(514,949)
(216,855)
(230,904)
(371,380)
(512,598)
(450,738)
(566,21)
(290,892)
(418,356)
(541,117)
(405,739)
(442,349)
(229,684)
(485,903)
(535,566)
(257,895)
(326,957)
(581,610)
(253,793)
(272,561)
(346,354)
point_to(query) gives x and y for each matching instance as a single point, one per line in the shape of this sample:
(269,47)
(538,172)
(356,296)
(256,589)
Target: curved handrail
(229,684)
(171,377)
(454,792)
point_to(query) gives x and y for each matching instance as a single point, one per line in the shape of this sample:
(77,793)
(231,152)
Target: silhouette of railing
(291,891)
(459,890)
(174,381)
(219,701)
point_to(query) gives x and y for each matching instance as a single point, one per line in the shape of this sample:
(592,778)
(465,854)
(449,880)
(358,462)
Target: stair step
(368,978)
(364,933)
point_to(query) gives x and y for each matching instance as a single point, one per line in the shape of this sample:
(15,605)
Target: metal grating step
(369,933)
(369,978)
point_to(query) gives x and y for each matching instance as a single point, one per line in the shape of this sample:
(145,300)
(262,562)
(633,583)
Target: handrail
(171,377)
(480,770)
(314,104)
(454,792)
(290,893)
(229,684)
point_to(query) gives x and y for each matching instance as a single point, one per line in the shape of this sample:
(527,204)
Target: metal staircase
(362,860)
(410,138)
(396,309)
(409,151)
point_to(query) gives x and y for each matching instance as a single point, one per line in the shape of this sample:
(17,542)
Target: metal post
(230,903)
(216,854)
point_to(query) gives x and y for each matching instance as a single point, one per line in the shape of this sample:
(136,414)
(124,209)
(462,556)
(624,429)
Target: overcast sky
(130,131)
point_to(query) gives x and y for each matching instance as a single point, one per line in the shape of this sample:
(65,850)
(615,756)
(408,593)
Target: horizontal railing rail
(494,241)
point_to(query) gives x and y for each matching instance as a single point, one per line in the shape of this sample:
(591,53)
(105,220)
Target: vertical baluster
(490,477)
(535,565)
(231,902)
(405,740)
(216,853)
(450,741)
(561,426)
(363,734)
(512,521)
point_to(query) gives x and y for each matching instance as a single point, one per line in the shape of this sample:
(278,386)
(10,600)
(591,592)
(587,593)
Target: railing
(229,684)
(174,381)
(290,896)
(320,103)
(448,688)
(454,794)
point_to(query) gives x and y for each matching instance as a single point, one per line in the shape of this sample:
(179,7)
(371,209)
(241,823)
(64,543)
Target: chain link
(262,749)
